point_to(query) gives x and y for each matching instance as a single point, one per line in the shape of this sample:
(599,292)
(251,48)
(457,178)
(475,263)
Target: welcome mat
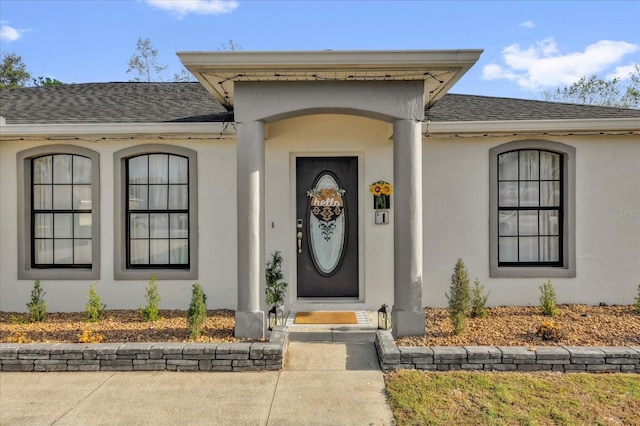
(326,318)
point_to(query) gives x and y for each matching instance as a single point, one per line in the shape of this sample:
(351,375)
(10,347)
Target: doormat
(326,318)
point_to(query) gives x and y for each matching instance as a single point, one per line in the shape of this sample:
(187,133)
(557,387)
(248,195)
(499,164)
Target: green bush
(94,306)
(197,313)
(637,304)
(459,298)
(275,287)
(37,306)
(548,300)
(478,300)
(151,311)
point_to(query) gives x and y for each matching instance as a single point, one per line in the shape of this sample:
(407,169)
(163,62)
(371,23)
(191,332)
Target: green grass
(485,398)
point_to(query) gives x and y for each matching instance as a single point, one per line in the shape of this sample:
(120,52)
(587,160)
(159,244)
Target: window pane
(42,197)
(63,225)
(528,222)
(508,194)
(528,165)
(178,169)
(139,225)
(550,249)
(550,194)
(159,252)
(82,197)
(44,252)
(138,197)
(158,168)
(63,252)
(528,249)
(82,225)
(43,225)
(42,169)
(179,252)
(549,166)
(138,172)
(62,169)
(549,222)
(529,194)
(508,224)
(178,197)
(159,225)
(508,166)
(508,249)
(62,197)
(179,225)
(139,252)
(82,251)
(157,197)
(81,169)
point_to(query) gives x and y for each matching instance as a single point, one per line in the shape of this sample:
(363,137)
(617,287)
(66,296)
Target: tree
(13,72)
(594,90)
(46,81)
(231,46)
(144,63)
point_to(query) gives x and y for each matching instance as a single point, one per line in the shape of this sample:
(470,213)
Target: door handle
(299,235)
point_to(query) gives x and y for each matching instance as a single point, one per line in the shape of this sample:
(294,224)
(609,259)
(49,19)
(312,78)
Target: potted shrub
(275,290)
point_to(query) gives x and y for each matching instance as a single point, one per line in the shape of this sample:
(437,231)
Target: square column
(250,320)
(407,314)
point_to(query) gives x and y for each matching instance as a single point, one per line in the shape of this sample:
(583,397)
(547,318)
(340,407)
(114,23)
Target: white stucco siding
(217,231)
(456,215)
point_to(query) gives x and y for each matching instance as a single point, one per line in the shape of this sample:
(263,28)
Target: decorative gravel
(582,325)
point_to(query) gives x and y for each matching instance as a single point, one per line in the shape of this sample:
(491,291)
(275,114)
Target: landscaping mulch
(582,325)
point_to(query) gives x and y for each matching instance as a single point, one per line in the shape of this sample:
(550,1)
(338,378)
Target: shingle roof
(190,102)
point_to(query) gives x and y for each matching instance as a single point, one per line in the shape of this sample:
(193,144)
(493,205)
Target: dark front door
(327,226)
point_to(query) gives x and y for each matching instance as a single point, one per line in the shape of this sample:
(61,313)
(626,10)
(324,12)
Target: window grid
(57,214)
(538,209)
(148,212)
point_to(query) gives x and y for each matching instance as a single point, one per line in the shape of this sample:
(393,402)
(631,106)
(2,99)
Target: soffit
(438,69)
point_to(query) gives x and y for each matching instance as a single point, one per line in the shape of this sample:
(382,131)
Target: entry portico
(265,87)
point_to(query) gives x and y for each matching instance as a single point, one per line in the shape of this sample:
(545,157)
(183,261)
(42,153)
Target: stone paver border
(257,356)
(506,358)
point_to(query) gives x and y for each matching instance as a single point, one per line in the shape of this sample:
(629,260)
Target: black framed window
(530,208)
(157,211)
(61,211)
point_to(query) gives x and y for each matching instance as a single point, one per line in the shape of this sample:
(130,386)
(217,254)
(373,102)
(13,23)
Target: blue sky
(529,46)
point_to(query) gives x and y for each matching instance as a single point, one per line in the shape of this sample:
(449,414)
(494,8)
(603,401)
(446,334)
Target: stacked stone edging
(506,358)
(257,356)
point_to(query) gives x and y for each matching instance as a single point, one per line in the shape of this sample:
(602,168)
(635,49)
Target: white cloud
(200,7)
(543,65)
(527,24)
(622,72)
(8,33)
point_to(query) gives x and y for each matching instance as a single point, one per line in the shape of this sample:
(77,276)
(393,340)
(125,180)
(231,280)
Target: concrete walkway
(322,383)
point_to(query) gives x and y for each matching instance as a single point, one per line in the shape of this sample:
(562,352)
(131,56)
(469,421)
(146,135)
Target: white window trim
(25,239)
(568,268)
(121,272)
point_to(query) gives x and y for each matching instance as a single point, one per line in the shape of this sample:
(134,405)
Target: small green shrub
(94,306)
(275,287)
(37,306)
(478,300)
(637,304)
(197,313)
(151,311)
(548,300)
(459,298)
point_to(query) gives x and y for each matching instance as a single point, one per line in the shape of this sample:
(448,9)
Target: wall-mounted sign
(381,191)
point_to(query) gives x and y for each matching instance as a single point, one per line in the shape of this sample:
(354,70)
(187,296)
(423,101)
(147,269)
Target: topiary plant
(37,306)
(478,300)
(275,287)
(94,306)
(151,311)
(459,298)
(548,300)
(197,313)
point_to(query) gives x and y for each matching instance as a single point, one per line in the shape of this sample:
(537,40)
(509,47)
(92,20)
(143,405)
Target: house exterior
(277,151)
